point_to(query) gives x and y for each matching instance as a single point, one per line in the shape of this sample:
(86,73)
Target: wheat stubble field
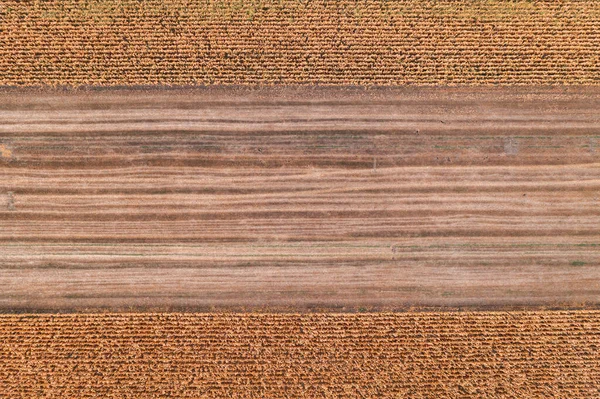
(331,42)
(318,199)
(412,355)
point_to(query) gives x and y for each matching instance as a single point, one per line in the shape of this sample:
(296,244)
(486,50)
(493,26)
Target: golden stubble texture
(179,42)
(416,355)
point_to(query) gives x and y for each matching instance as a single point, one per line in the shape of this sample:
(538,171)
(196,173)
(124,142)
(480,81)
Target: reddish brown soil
(299,197)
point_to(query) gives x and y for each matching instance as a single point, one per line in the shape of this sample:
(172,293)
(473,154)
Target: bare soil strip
(424,355)
(299,198)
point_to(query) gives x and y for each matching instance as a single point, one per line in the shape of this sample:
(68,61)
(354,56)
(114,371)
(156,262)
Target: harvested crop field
(422,355)
(299,198)
(303,199)
(341,42)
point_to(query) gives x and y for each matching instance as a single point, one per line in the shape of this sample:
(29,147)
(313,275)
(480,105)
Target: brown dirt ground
(299,198)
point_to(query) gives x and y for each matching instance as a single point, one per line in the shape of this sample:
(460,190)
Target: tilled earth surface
(299,198)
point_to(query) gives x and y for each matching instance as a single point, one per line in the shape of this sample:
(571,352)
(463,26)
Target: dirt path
(296,198)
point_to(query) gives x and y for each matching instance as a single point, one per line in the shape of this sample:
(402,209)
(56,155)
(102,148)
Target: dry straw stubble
(179,42)
(426,355)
